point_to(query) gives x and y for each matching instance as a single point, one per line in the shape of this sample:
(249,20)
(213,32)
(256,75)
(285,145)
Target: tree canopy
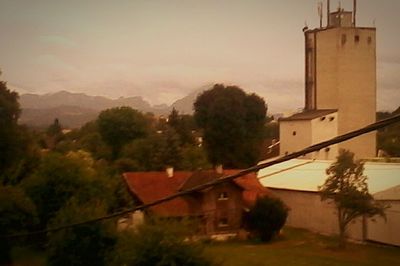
(120,125)
(233,125)
(347,186)
(17,151)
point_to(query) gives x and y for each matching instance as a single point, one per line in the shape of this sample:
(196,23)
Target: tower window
(294,133)
(356,38)
(344,38)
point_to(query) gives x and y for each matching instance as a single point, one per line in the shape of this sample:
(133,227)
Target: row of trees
(50,178)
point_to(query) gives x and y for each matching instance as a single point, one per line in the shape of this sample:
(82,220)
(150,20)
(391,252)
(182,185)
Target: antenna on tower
(328,10)
(354,12)
(320,6)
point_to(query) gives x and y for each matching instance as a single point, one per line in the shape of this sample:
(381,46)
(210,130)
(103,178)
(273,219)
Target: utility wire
(310,149)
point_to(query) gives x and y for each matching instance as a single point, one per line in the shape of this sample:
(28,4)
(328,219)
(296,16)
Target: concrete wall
(294,135)
(386,231)
(307,211)
(322,129)
(344,78)
(299,134)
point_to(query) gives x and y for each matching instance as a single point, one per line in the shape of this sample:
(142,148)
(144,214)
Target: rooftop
(309,114)
(307,175)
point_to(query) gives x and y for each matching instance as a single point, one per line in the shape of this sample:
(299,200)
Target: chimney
(219,169)
(170,171)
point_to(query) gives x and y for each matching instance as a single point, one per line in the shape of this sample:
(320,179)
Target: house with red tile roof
(218,209)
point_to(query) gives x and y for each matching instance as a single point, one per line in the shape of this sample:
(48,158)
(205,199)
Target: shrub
(86,244)
(160,243)
(266,218)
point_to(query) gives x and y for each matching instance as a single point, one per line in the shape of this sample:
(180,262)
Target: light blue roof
(307,175)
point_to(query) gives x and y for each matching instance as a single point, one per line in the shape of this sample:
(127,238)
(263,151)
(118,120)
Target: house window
(322,118)
(331,118)
(223,222)
(294,133)
(356,38)
(223,196)
(369,39)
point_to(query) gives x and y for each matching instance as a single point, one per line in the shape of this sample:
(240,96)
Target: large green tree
(120,125)
(233,125)
(86,244)
(389,137)
(17,152)
(347,186)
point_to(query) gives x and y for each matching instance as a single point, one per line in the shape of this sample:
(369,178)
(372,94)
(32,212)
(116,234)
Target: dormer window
(223,196)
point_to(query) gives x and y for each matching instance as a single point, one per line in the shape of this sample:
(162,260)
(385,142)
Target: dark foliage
(120,125)
(158,243)
(266,218)
(347,186)
(233,125)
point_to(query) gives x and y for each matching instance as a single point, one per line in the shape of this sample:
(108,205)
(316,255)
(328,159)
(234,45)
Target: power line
(310,149)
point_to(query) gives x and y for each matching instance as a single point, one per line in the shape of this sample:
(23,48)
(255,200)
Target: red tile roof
(151,186)
(252,188)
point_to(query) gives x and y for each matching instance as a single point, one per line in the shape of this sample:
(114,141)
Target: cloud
(57,40)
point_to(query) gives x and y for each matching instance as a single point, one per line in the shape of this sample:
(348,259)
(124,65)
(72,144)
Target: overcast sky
(162,50)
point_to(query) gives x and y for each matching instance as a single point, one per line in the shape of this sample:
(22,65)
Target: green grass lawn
(300,247)
(294,247)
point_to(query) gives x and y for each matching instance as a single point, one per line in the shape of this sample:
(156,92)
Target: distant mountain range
(75,109)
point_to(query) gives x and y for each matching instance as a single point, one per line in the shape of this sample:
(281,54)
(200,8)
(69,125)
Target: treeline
(54,177)
(389,137)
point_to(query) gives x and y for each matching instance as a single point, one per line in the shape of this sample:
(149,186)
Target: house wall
(216,210)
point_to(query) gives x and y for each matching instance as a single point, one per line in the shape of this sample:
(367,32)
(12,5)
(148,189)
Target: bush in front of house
(161,243)
(266,218)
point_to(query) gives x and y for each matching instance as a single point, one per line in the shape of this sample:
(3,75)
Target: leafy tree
(18,152)
(88,138)
(56,180)
(158,243)
(194,158)
(119,126)
(233,125)
(17,213)
(347,186)
(266,218)
(183,125)
(54,134)
(154,152)
(81,245)
(388,138)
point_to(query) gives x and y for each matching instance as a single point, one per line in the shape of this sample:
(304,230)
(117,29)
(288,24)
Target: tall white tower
(340,74)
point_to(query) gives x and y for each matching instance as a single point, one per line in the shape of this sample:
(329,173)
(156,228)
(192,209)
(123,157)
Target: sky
(163,50)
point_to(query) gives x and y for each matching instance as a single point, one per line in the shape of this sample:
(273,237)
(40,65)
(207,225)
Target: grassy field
(294,247)
(300,247)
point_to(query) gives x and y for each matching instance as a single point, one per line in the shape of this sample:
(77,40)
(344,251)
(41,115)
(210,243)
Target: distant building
(340,88)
